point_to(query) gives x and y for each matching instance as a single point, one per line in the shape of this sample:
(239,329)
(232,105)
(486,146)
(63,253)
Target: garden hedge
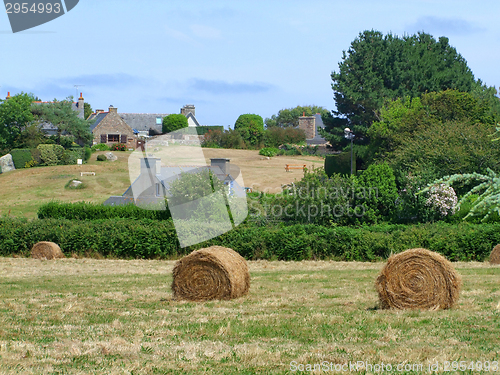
(130,238)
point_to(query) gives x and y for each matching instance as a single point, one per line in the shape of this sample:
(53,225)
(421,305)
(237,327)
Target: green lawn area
(82,316)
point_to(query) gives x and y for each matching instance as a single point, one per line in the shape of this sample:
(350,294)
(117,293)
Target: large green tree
(378,67)
(251,128)
(64,118)
(289,117)
(15,116)
(174,122)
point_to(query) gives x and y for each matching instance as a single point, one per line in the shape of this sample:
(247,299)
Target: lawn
(82,316)
(24,190)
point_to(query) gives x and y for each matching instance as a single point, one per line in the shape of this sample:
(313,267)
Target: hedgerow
(154,239)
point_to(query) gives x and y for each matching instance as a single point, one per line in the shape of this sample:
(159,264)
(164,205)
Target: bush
(276,136)
(91,211)
(204,129)
(102,157)
(87,153)
(268,151)
(251,128)
(144,238)
(118,147)
(174,122)
(100,147)
(51,154)
(20,157)
(340,163)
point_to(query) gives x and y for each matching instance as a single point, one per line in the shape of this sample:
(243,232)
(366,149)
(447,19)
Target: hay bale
(214,272)
(418,279)
(495,255)
(46,250)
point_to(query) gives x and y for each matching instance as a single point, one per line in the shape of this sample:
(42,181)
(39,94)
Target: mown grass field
(23,191)
(89,316)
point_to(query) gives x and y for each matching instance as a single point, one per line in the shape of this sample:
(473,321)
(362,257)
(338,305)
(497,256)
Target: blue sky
(225,57)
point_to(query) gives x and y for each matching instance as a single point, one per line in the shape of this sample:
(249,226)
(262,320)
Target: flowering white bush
(443,198)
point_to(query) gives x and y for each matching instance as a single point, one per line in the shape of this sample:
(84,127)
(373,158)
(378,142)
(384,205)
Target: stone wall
(308,124)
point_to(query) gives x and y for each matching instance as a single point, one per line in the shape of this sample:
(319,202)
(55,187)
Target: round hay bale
(214,272)
(418,279)
(46,250)
(495,255)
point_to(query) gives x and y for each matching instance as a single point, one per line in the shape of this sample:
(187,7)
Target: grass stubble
(83,316)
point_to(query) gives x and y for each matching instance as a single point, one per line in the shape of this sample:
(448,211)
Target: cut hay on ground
(495,255)
(211,273)
(418,279)
(46,250)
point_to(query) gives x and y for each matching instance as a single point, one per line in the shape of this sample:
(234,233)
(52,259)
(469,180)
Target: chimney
(113,109)
(97,111)
(222,163)
(81,106)
(188,108)
(151,165)
(8,96)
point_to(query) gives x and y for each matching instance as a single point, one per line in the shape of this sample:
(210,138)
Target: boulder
(110,156)
(6,163)
(74,183)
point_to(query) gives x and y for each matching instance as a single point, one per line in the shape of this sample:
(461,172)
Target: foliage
(118,147)
(290,117)
(378,185)
(31,136)
(251,128)
(146,238)
(488,191)
(378,67)
(100,147)
(268,151)
(87,153)
(174,122)
(15,116)
(203,129)
(51,154)
(87,110)
(198,190)
(102,157)
(226,139)
(340,163)
(64,118)
(443,199)
(276,136)
(93,211)
(20,157)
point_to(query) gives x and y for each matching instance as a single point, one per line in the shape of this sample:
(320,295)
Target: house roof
(143,121)
(98,118)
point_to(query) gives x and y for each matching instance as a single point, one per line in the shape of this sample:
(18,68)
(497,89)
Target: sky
(226,57)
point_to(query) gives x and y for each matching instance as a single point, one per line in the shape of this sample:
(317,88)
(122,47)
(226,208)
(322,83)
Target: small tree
(251,128)
(174,122)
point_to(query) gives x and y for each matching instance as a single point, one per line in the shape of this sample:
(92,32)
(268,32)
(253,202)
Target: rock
(74,183)
(110,156)
(6,163)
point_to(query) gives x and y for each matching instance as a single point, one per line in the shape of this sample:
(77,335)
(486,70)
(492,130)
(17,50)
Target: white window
(158,121)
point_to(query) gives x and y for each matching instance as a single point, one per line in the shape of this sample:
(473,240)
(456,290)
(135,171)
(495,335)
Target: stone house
(311,126)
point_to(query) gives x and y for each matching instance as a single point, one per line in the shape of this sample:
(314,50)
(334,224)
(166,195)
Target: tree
(87,110)
(251,128)
(174,122)
(290,117)
(15,116)
(401,119)
(64,118)
(378,67)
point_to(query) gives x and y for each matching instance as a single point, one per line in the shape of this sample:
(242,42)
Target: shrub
(118,147)
(20,157)
(268,151)
(340,163)
(276,136)
(51,154)
(174,122)
(251,128)
(87,153)
(100,147)
(102,157)
(91,211)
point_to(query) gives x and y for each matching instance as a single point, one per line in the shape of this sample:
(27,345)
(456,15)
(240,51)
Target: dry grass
(81,316)
(24,190)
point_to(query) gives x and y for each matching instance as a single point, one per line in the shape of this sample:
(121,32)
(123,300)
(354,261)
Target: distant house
(154,180)
(49,128)
(113,127)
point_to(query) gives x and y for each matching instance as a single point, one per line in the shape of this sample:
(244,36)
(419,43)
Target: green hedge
(21,156)
(340,163)
(202,130)
(51,154)
(129,238)
(91,211)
